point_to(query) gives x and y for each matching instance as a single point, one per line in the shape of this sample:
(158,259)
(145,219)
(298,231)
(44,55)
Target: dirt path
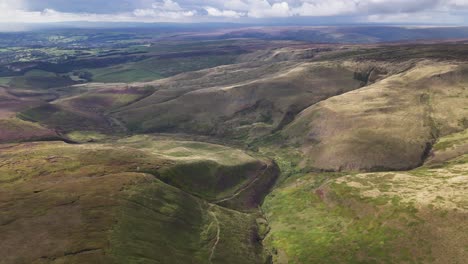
(241,190)
(218,232)
(114,122)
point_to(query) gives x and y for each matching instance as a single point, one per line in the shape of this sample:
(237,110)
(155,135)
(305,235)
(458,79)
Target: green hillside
(99,203)
(137,147)
(415,216)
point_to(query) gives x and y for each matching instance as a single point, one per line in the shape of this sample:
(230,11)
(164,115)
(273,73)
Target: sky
(241,11)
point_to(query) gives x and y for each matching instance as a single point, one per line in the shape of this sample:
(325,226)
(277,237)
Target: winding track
(218,232)
(241,190)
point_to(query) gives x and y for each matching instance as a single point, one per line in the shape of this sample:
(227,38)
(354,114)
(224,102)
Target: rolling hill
(264,152)
(109,202)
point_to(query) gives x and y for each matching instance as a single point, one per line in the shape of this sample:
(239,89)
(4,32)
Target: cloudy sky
(344,11)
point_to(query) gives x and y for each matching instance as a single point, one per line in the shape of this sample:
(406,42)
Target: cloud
(253,9)
(89,6)
(9,7)
(422,17)
(458,3)
(167,9)
(238,5)
(326,8)
(167,5)
(51,16)
(398,6)
(357,8)
(262,9)
(14,11)
(223,13)
(444,11)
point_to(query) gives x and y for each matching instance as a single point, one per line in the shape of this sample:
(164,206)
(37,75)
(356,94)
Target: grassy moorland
(318,154)
(107,202)
(415,216)
(154,69)
(391,124)
(252,101)
(39,79)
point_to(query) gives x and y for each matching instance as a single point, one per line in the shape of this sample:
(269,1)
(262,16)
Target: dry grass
(389,124)
(247,102)
(15,130)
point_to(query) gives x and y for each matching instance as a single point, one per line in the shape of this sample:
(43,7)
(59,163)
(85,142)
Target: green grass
(64,120)
(161,223)
(451,141)
(308,230)
(104,102)
(86,136)
(144,199)
(189,150)
(39,73)
(123,73)
(207,179)
(384,217)
(38,79)
(5,80)
(206,170)
(155,68)
(111,210)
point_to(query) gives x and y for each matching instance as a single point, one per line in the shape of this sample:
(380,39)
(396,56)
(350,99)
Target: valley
(228,147)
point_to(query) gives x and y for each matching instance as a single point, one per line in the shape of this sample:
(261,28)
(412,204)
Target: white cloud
(218,10)
(11,5)
(166,9)
(162,14)
(326,8)
(458,3)
(262,9)
(252,8)
(413,18)
(167,5)
(223,13)
(237,5)
(50,16)
(8,8)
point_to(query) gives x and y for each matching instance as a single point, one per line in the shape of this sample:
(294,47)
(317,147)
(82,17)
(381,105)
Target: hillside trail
(241,190)
(117,123)
(218,232)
